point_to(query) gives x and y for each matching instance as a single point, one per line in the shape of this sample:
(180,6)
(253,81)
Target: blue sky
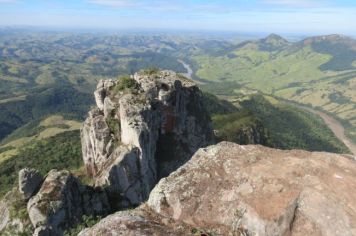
(279,16)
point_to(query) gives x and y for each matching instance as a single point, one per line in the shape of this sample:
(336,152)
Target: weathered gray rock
(137,222)
(43,231)
(133,138)
(13,218)
(30,181)
(231,189)
(100,92)
(62,201)
(4,215)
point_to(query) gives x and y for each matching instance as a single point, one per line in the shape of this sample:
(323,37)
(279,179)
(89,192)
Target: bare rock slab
(137,222)
(254,190)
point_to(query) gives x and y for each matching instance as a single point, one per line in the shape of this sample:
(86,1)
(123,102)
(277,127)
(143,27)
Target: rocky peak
(144,127)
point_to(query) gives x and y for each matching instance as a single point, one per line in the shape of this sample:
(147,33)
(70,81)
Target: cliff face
(143,128)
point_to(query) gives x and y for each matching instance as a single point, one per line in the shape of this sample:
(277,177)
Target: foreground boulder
(141,221)
(144,127)
(230,189)
(61,202)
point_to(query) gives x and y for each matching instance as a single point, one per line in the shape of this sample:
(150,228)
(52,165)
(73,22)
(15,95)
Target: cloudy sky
(279,16)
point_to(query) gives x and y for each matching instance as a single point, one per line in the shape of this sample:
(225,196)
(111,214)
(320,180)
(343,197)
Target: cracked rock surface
(254,190)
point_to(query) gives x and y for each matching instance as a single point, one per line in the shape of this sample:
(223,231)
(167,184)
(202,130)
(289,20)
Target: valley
(318,72)
(334,125)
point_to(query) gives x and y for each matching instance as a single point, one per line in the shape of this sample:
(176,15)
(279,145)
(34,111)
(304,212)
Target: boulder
(62,201)
(13,217)
(30,181)
(254,190)
(137,222)
(4,215)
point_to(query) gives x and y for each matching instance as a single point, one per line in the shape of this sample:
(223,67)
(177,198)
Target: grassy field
(47,128)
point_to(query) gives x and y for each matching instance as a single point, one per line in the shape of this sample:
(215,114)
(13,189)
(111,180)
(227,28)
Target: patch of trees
(62,151)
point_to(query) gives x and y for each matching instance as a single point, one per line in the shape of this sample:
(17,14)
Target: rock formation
(143,128)
(29,182)
(141,221)
(13,216)
(61,202)
(230,189)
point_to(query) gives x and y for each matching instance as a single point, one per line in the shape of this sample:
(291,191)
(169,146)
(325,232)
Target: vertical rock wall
(137,135)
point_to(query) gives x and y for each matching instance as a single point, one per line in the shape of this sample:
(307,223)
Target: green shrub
(87,221)
(125,83)
(151,71)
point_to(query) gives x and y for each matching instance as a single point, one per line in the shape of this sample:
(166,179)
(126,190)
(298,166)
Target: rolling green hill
(317,71)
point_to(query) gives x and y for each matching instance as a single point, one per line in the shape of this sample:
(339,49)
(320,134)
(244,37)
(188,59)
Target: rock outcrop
(62,201)
(141,221)
(143,128)
(13,216)
(30,181)
(230,189)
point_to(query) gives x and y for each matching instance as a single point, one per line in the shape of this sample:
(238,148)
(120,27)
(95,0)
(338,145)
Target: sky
(278,16)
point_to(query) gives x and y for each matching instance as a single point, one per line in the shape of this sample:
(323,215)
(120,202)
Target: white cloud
(298,3)
(162,5)
(114,3)
(9,1)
